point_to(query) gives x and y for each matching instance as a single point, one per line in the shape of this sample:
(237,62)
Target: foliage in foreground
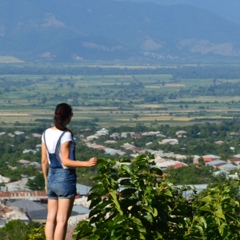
(17,229)
(134,200)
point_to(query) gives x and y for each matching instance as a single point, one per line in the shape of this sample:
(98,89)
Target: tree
(134,200)
(17,229)
(37,183)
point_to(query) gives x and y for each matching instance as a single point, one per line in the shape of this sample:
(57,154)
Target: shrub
(133,200)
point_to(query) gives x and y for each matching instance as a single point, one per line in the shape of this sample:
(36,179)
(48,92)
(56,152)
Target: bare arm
(67,162)
(45,164)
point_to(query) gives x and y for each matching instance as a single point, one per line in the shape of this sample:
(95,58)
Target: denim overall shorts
(61,181)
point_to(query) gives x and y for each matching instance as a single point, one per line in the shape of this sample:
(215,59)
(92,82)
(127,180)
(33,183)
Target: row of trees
(204,72)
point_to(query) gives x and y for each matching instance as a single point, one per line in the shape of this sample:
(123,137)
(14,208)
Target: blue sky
(228,9)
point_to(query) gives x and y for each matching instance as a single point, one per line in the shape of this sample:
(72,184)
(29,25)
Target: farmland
(119,95)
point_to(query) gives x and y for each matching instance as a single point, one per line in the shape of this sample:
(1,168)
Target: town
(18,201)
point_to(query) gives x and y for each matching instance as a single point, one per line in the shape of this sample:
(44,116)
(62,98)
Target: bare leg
(63,214)
(51,219)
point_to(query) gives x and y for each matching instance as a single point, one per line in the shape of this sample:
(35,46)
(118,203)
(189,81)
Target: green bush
(133,200)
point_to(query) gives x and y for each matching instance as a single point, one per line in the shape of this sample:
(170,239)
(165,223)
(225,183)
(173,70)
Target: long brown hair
(62,112)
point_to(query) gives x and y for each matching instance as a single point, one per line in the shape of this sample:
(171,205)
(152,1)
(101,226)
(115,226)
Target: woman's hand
(92,162)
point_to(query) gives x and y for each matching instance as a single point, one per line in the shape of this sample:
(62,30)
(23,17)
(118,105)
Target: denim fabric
(61,183)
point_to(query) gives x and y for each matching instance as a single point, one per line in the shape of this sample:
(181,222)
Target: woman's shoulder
(54,132)
(67,135)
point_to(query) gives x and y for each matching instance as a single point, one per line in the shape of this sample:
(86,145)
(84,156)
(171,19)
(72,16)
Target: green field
(117,99)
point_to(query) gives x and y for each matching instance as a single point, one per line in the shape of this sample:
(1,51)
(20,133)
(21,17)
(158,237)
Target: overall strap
(58,142)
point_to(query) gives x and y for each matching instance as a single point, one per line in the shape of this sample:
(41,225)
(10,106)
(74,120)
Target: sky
(228,9)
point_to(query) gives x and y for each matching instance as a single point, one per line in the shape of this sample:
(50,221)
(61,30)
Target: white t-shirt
(51,137)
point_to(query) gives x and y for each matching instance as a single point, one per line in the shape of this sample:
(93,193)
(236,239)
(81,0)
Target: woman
(58,166)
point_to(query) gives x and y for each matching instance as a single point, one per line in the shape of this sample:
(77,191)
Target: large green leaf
(127,169)
(207,208)
(219,212)
(151,210)
(156,171)
(115,200)
(83,230)
(101,163)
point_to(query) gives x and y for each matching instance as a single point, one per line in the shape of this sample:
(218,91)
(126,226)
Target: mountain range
(224,8)
(108,30)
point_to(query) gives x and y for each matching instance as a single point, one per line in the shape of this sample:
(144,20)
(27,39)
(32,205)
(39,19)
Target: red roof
(207,159)
(179,165)
(234,160)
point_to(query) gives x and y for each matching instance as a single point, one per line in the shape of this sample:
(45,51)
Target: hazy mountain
(225,8)
(77,30)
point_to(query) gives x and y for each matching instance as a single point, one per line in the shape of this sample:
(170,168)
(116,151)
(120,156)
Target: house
(112,151)
(151,133)
(210,158)
(96,146)
(2,222)
(9,213)
(39,216)
(37,135)
(216,163)
(92,137)
(169,163)
(37,212)
(213,157)
(181,133)
(30,151)
(179,156)
(115,135)
(35,164)
(83,190)
(126,134)
(196,187)
(136,136)
(4,179)
(234,176)
(171,141)
(161,154)
(235,134)
(235,160)
(23,161)
(220,172)
(179,165)
(221,164)
(17,186)
(110,142)
(196,159)
(207,159)
(102,132)
(18,133)
(227,167)
(128,146)
(27,205)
